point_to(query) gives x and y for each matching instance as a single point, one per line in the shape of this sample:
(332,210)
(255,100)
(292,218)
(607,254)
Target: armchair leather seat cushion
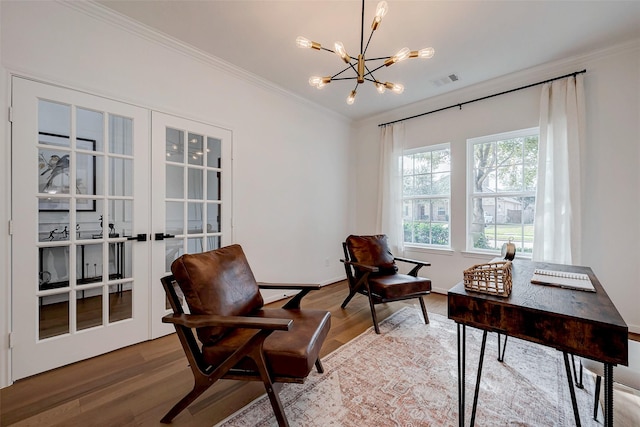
(291,353)
(399,286)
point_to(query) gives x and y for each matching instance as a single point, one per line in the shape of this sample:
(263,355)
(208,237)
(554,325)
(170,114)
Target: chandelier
(360,66)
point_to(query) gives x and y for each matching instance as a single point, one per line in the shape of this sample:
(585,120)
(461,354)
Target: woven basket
(493,278)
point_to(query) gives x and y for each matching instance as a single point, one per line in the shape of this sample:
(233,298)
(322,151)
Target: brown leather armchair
(371,270)
(240,339)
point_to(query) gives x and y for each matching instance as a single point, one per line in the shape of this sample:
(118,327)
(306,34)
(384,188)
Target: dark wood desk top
(578,322)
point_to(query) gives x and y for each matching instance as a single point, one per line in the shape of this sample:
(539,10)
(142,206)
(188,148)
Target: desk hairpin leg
(461,373)
(475,394)
(575,373)
(608,395)
(504,347)
(572,391)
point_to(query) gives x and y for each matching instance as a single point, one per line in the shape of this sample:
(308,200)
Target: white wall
(290,158)
(611,200)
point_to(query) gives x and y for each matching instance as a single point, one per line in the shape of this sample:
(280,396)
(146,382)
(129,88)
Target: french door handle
(139,237)
(162,236)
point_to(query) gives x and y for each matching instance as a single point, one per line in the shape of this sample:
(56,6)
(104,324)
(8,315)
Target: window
(502,190)
(426,194)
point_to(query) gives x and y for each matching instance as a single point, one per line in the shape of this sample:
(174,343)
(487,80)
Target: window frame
(471,193)
(418,150)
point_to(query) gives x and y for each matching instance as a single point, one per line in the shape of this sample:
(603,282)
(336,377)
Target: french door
(80,214)
(95,226)
(191,197)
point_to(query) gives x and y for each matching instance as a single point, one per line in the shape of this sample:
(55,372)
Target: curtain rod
(575,73)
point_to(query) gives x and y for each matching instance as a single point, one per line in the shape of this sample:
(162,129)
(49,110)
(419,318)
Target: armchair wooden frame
(361,284)
(206,375)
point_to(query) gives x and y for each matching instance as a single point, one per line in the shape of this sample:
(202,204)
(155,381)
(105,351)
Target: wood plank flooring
(137,385)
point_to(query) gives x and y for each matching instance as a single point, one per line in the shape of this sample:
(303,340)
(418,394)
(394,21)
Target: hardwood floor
(137,385)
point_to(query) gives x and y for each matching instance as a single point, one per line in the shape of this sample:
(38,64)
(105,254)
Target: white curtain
(557,235)
(389,218)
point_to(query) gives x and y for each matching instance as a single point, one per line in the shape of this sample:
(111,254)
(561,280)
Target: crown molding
(102,13)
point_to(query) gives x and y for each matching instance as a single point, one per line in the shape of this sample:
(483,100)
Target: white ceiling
(476,40)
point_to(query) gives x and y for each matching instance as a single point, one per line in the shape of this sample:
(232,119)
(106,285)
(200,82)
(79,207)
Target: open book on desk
(562,279)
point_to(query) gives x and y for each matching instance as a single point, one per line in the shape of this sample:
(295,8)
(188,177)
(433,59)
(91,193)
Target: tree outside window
(426,194)
(502,189)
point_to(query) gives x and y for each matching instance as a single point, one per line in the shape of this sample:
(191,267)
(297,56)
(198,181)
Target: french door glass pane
(213,185)
(53,313)
(174,218)
(174,182)
(195,218)
(173,250)
(88,308)
(54,123)
(213,217)
(53,267)
(214,152)
(53,226)
(121,177)
(54,171)
(175,145)
(89,263)
(196,150)
(120,302)
(121,135)
(194,184)
(89,130)
(120,218)
(194,246)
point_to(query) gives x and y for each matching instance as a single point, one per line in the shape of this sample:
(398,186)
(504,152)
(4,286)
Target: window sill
(488,255)
(429,250)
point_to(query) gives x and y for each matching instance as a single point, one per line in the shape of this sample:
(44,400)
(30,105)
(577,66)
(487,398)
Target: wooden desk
(575,322)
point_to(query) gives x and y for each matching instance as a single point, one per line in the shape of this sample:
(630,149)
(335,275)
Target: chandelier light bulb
(305,43)
(402,54)
(352,97)
(380,87)
(426,53)
(397,88)
(319,82)
(381,11)
(315,80)
(341,52)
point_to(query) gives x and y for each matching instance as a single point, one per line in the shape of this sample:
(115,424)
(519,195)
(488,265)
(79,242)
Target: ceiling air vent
(445,80)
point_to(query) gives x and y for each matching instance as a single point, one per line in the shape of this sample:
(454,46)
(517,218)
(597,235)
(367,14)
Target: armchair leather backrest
(217,282)
(372,250)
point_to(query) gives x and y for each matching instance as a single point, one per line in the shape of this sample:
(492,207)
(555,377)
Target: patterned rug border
(392,323)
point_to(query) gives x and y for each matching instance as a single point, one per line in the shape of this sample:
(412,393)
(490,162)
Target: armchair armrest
(413,261)
(363,267)
(418,265)
(202,320)
(309,286)
(294,303)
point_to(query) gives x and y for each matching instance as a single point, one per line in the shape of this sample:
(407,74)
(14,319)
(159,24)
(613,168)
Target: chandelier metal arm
(369,73)
(378,59)
(368,41)
(350,67)
(376,69)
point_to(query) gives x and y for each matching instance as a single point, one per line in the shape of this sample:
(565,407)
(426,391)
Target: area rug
(407,376)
